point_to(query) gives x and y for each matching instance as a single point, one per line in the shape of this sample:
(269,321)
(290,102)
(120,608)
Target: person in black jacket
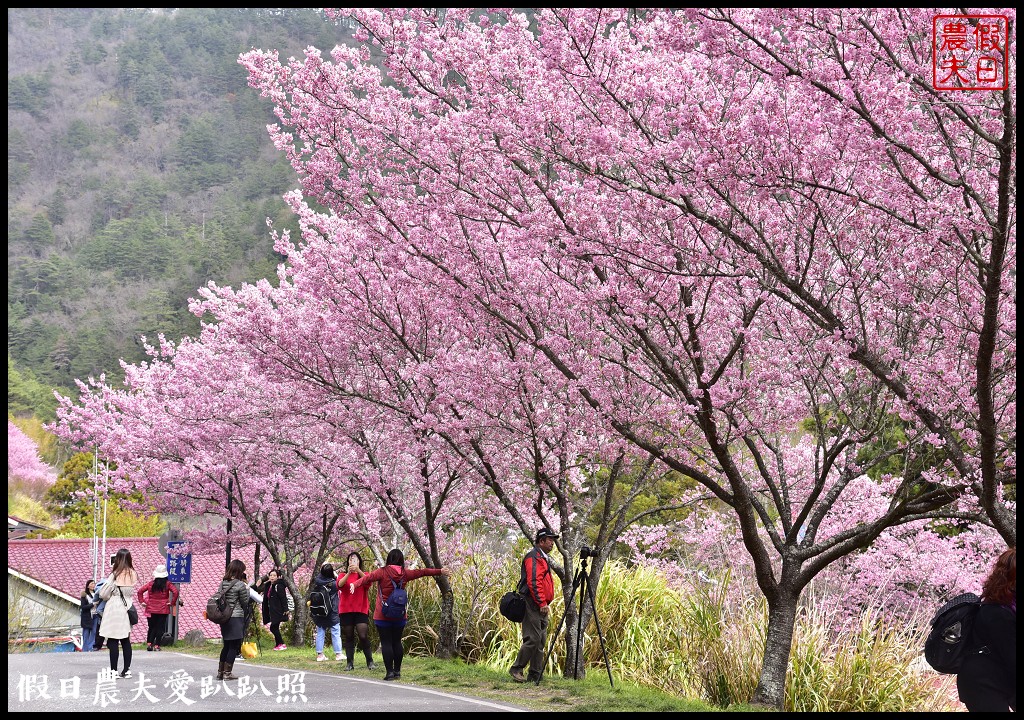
(275,604)
(987,681)
(326,618)
(88,615)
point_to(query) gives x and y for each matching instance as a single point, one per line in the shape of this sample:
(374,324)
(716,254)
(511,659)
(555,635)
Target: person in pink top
(354,609)
(157,596)
(390,630)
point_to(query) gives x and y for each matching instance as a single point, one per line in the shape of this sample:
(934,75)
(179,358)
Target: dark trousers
(230,651)
(535,630)
(116,645)
(391,647)
(157,628)
(348,639)
(275,629)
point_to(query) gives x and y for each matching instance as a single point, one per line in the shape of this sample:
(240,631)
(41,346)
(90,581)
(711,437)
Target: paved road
(69,682)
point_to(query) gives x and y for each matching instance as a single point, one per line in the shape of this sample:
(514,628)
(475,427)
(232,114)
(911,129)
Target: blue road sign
(179,567)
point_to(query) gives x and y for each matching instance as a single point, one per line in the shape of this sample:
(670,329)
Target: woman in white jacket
(118,591)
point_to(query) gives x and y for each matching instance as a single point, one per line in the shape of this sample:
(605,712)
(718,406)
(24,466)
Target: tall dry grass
(705,642)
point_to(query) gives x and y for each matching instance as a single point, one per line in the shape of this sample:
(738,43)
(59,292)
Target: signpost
(179,572)
(179,565)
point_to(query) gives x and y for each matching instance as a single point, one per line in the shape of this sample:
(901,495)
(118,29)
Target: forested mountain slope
(138,169)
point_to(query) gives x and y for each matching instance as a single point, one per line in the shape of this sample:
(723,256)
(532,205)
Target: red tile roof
(66,564)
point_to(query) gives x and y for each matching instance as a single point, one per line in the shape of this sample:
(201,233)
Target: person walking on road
(158,596)
(987,681)
(390,629)
(115,626)
(354,610)
(536,583)
(88,615)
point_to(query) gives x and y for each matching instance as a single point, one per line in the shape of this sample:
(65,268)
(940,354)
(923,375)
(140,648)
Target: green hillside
(138,169)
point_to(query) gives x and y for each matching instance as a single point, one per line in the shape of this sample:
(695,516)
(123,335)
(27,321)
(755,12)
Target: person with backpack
(323,609)
(233,593)
(157,596)
(390,615)
(987,681)
(354,610)
(537,585)
(275,604)
(116,624)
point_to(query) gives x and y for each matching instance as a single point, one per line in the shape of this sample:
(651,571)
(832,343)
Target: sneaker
(149,647)
(350,666)
(321,657)
(282,646)
(517,675)
(339,657)
(396,676)
(157,648)
(126,674)
(389,676)
(370,664)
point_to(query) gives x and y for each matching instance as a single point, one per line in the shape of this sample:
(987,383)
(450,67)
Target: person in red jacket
(354,609)
(537,584)
(390,630)
(157,596)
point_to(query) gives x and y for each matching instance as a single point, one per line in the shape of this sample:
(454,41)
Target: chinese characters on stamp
(969,52)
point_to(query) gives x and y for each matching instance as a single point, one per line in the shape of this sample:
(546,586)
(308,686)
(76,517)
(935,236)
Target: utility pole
(231,481)
(94,545)
(106,491)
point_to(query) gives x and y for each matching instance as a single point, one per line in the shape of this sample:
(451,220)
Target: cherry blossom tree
(197,431)
(702,231)
(23,461)
(468,410)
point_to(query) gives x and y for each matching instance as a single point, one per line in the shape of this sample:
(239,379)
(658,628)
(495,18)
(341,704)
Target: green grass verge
(554,694)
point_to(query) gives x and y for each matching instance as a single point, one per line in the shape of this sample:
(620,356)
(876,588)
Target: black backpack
(320,602)
(950,633)
(395,606)
(218,609)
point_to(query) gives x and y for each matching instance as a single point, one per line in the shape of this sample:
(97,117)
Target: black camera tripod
(582,578)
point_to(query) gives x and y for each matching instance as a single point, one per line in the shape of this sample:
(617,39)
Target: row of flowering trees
(545,260)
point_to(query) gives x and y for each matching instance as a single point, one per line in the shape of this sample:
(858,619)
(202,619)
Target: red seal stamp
(969,52)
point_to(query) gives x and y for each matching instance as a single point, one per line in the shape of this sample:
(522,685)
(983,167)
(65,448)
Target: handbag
(133,613)
(513,606)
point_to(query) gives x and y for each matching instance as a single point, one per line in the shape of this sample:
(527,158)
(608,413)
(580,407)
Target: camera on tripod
(582,582)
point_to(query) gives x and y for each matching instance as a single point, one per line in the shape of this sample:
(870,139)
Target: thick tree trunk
(299,615)
(447,644)
(771,686)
